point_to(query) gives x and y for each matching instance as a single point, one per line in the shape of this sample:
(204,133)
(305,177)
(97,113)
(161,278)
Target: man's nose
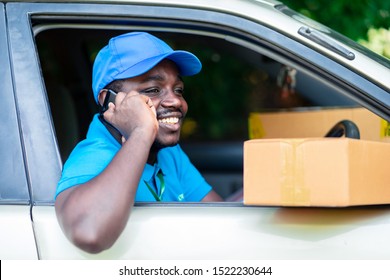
(171,99)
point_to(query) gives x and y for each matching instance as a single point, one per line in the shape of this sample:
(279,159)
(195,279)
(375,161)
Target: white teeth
(173,120)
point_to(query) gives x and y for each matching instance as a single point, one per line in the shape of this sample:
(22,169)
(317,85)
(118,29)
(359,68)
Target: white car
(252,53)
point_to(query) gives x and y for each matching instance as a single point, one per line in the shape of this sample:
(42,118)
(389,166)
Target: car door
(226,230)
(16,233)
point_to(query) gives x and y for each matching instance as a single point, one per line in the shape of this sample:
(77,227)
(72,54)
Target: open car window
(241,82)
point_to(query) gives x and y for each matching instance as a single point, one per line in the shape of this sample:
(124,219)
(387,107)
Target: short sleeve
(89,158)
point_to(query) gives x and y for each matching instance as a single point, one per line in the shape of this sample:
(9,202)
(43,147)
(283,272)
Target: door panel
(16,233)
(232,232)
(13,183)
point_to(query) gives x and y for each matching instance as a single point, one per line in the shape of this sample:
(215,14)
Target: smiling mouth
(171,120)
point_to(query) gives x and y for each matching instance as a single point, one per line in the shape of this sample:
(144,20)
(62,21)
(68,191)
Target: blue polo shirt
(182,180)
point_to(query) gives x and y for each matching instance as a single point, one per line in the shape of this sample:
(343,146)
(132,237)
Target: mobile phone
(110,97)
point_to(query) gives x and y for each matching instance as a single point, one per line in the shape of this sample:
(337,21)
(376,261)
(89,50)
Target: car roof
(277,16)
(197,3)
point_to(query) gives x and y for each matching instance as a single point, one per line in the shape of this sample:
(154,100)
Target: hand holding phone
(129,108)
(110,97)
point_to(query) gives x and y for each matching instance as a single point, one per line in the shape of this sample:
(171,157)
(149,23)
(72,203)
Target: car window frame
(13,181)
(44,169)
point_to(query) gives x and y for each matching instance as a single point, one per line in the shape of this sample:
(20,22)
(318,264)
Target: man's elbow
(90,241)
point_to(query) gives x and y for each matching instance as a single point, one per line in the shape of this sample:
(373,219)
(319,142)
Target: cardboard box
(330,172)
(316,123)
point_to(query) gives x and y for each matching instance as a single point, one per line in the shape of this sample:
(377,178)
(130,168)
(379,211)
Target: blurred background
(364,21)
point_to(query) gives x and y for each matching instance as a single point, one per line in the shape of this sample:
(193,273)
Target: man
(105,174)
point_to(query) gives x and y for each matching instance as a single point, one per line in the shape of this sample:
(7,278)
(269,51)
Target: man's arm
(93,215)
(212,196)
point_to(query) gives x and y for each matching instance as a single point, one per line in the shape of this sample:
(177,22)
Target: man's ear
(101,96)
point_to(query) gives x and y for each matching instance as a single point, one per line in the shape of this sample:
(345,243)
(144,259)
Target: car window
(243,80)
(235,82)
(13,184)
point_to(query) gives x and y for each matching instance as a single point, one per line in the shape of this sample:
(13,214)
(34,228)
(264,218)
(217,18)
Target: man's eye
(179,91)
(151,91)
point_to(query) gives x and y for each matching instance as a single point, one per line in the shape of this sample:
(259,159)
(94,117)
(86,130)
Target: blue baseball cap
(133,54)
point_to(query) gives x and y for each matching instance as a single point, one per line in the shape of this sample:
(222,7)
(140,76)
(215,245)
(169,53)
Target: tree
(351,18)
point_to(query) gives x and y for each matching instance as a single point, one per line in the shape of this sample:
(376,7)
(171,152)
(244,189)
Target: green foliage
(378,41)
(351,18)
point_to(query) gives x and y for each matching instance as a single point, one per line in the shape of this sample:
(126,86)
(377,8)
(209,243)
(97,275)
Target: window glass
(235,82)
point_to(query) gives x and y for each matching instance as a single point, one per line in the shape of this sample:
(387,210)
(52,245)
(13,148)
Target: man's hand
(133,111)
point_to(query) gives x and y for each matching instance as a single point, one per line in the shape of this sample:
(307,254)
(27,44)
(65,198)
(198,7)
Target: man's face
(165,88)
